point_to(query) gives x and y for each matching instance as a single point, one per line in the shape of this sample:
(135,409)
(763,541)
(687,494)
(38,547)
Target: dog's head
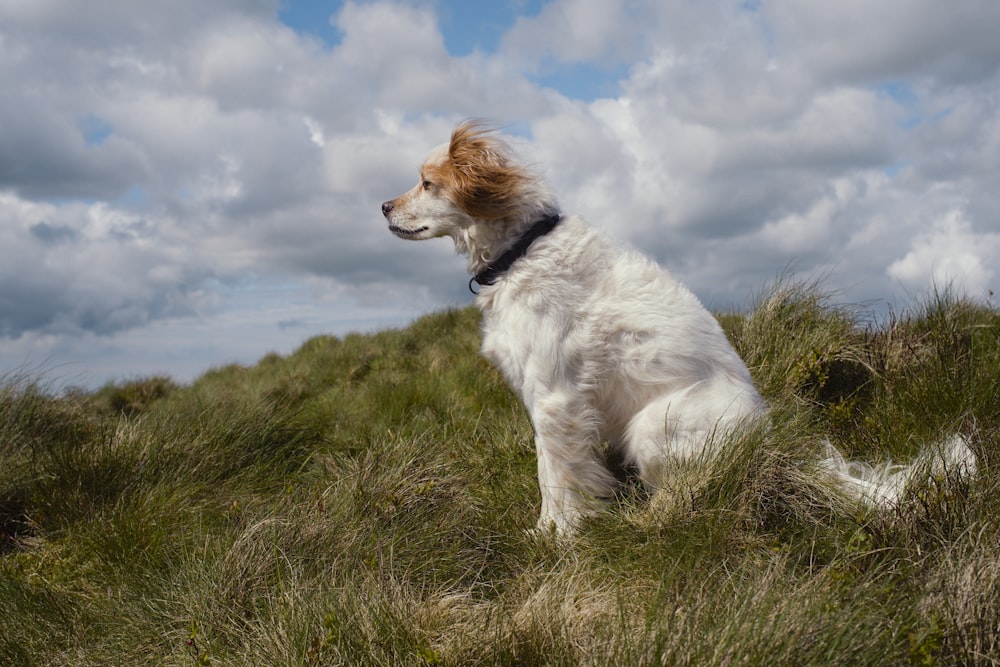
(467,180)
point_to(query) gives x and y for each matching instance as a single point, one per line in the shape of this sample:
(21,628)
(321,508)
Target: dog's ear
(486,182)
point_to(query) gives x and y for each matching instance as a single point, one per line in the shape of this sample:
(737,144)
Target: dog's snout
(386,207)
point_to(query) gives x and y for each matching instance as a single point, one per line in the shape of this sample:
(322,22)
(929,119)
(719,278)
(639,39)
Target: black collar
(496,269)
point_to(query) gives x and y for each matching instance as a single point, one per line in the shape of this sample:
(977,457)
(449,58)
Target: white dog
(602,345)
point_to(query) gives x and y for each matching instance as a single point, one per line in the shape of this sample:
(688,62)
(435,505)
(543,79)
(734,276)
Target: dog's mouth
(405,233)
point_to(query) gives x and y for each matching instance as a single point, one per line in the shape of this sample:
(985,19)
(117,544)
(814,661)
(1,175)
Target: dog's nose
(386,207)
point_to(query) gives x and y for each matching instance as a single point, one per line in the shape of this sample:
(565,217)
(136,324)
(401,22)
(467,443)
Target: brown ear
(487,185)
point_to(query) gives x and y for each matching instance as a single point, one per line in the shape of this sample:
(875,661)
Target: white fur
(601,344)
(885,485)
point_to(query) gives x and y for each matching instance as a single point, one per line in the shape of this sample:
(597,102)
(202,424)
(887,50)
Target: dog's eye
(426,185)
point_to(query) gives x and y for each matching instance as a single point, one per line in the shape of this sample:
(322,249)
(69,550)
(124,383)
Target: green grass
(368,501)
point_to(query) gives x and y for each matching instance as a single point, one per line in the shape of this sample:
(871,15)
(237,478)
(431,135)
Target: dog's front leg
(571,476)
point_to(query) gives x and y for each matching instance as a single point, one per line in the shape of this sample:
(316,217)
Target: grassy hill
(367,501)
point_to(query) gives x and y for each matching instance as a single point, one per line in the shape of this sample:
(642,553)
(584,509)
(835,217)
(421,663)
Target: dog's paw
(550,529)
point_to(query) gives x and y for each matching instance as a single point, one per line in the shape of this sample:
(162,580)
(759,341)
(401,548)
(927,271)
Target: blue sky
(465,26)
(312,18)
(469,27)
(199,183)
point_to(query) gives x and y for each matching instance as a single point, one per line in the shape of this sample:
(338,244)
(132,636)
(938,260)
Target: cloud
(161,168)
(950,253)
(952,43)
(588,30)
(79,267)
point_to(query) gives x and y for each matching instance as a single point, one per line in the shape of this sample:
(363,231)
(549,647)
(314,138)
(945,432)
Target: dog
(601,344)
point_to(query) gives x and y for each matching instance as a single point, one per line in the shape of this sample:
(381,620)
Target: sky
(189,184)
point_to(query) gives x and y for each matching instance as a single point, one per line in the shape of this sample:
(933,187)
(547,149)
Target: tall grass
(368,500)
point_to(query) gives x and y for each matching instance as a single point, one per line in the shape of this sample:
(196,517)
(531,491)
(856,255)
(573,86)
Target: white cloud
(154,161)
(315,131)
(573,31)
(951,42)
(949,254)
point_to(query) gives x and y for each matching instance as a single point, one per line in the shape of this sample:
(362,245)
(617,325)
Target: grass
(367,500)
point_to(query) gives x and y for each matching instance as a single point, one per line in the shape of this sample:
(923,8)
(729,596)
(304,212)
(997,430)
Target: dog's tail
(885,485)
